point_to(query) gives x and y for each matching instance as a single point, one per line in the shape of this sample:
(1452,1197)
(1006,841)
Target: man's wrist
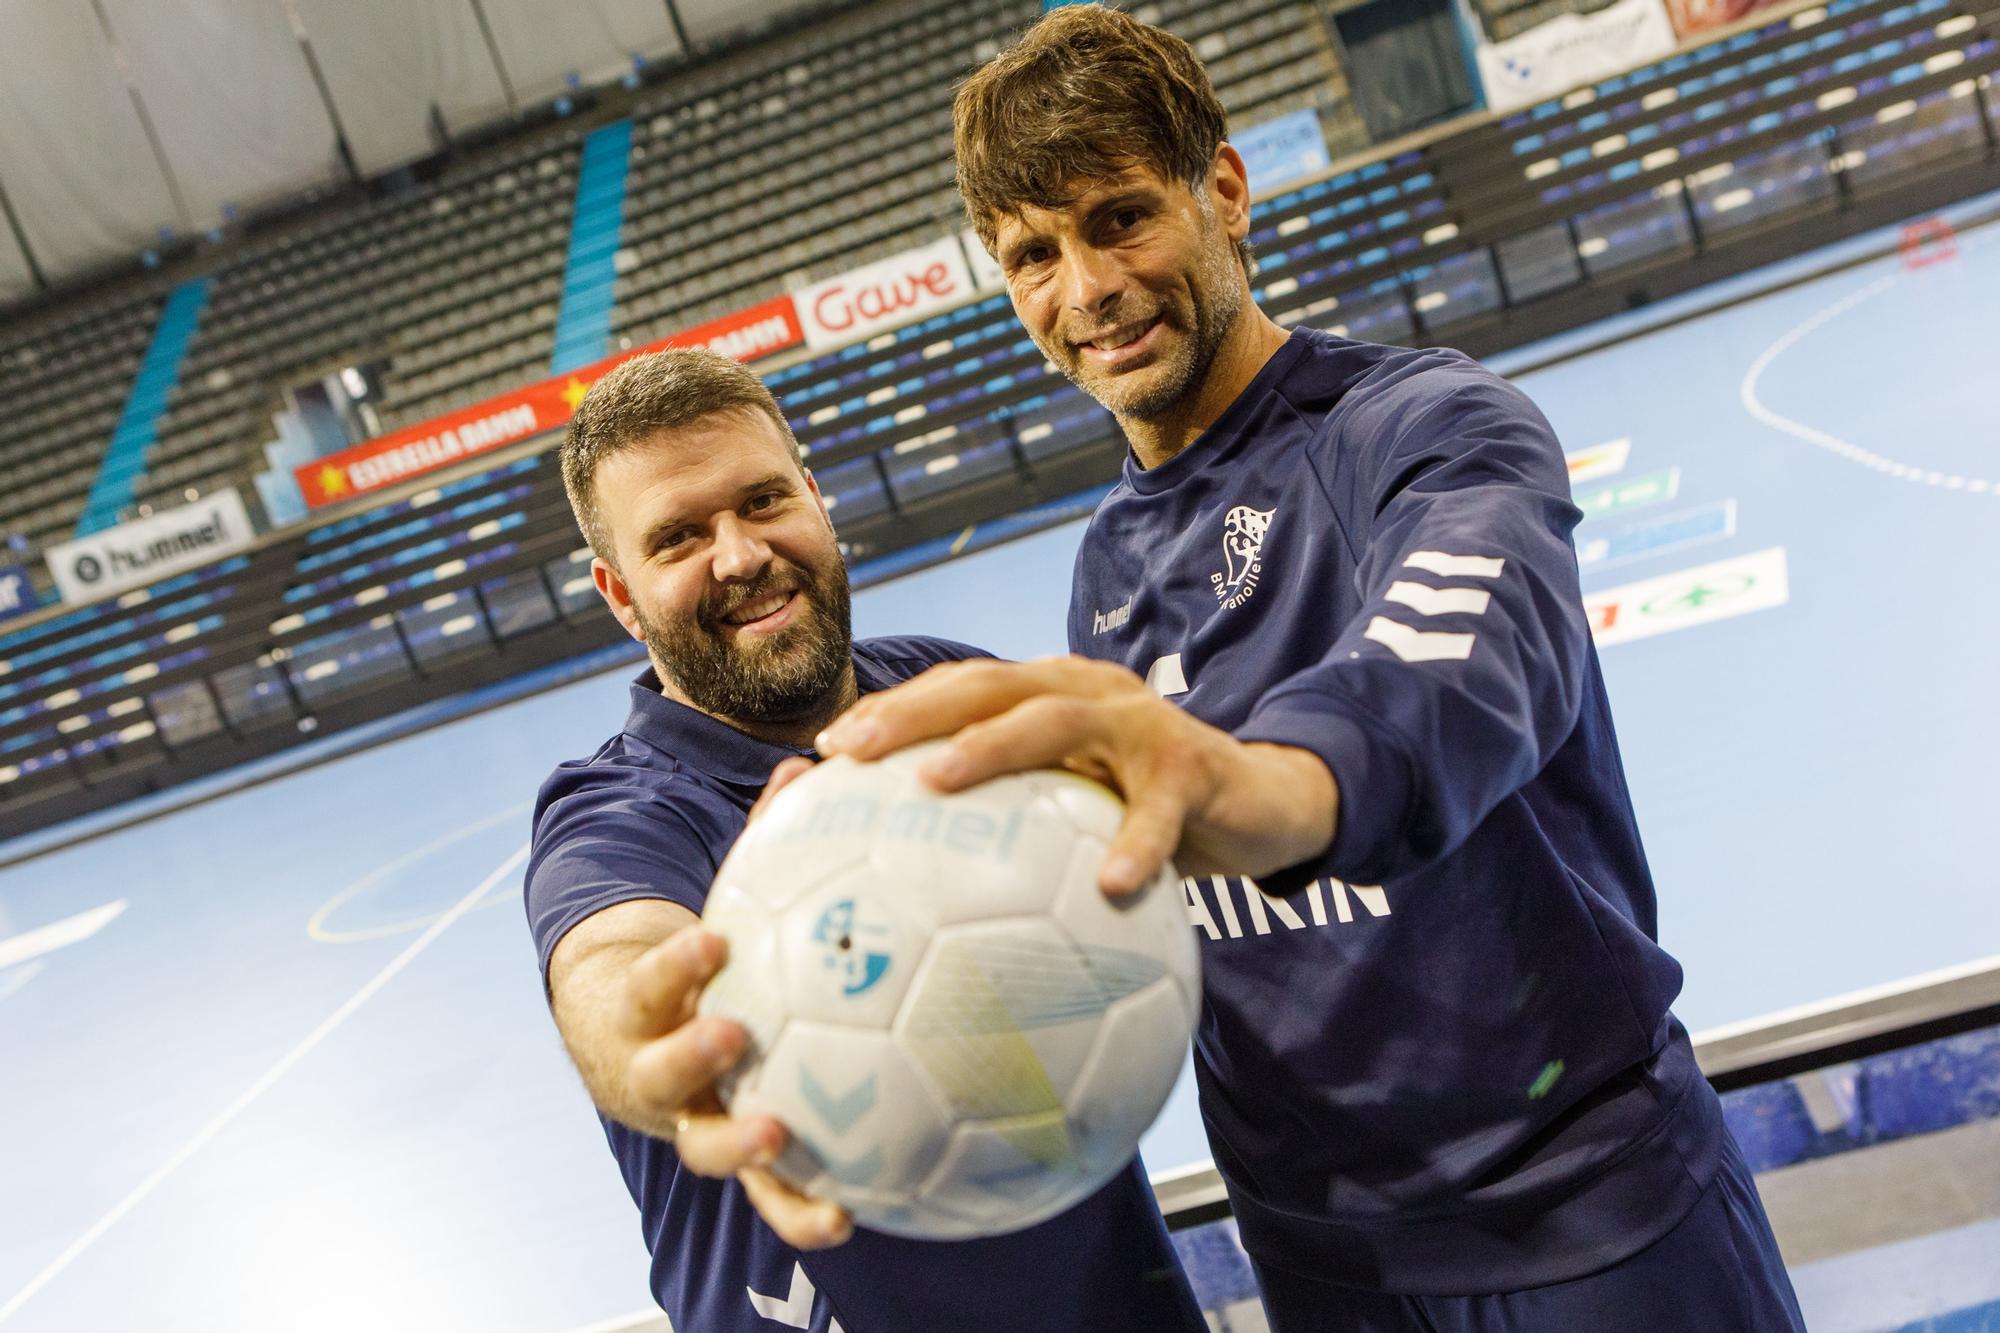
(1279,806)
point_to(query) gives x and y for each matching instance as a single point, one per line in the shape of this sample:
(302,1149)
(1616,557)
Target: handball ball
(963,1035)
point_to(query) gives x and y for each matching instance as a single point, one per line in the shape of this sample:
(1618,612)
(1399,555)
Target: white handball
(962,1033)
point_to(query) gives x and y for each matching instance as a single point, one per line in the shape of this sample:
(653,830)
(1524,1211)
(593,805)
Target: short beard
(795,675)
(1215,298)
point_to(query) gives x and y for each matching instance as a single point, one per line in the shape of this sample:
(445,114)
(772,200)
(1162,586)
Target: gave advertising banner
(888,292)
(1573,49)
(525,413)
(1693,17)
(151,548)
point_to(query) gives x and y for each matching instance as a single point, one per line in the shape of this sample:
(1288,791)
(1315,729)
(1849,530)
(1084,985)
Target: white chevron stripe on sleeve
(1166,678)
(1419,645)
(1428,601)
(1449,566)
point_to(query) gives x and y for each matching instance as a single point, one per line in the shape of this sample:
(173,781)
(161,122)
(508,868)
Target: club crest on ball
(844,947)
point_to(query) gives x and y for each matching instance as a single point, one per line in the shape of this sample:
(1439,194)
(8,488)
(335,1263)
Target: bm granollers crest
(1243,530)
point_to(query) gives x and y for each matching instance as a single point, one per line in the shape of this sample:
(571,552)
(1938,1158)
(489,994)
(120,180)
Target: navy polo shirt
(651,815)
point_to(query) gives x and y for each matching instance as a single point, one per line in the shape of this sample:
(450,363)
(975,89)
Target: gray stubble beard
(1217,305)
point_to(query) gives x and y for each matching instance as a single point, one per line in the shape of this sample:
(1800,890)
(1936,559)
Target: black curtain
(1405,64)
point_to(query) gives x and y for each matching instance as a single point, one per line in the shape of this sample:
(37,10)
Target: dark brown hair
(1088,92)
(644,398)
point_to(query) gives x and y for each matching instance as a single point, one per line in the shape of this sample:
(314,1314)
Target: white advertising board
(1573,49)
(150,548)
(889,292)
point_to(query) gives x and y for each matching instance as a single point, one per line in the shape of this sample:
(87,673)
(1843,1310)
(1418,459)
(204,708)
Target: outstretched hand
(677,1054)
(1193,793)
(673,1071)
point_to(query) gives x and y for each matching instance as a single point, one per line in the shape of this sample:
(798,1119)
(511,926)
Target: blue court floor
(280,1060)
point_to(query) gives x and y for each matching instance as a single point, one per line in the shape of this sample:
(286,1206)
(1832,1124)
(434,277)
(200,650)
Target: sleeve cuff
(1369,772)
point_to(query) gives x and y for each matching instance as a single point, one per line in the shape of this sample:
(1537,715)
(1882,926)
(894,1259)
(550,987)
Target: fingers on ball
(801,1222)
(720,1145)
(669,1072)
(663,981)
(1145,841)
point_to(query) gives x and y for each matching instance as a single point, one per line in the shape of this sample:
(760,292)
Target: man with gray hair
(712,546)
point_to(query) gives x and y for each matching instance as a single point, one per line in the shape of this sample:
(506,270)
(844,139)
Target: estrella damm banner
(532,410)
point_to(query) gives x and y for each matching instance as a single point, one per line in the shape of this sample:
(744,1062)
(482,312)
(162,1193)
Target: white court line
(11,982)
(259,1088)
(58,934)
(316,926)
(1828,441)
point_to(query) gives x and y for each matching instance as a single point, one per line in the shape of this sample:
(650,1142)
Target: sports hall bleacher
(63,380)
(794,160)
(777,200)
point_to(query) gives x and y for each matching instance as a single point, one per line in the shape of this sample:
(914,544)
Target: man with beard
(713,548)
(1455,1098)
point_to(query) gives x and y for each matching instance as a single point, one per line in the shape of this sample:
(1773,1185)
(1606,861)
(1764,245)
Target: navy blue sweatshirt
(1439,1059)
(651,815)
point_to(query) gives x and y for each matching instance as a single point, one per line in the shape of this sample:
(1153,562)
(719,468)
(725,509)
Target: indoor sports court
(277,1058)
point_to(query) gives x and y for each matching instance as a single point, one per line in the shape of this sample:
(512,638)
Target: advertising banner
(1688,597)
(1694,17)
(1573,49)
(883,294)
(510,418)
(762,330)
(1282,150)
(387,459)
(146,549)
